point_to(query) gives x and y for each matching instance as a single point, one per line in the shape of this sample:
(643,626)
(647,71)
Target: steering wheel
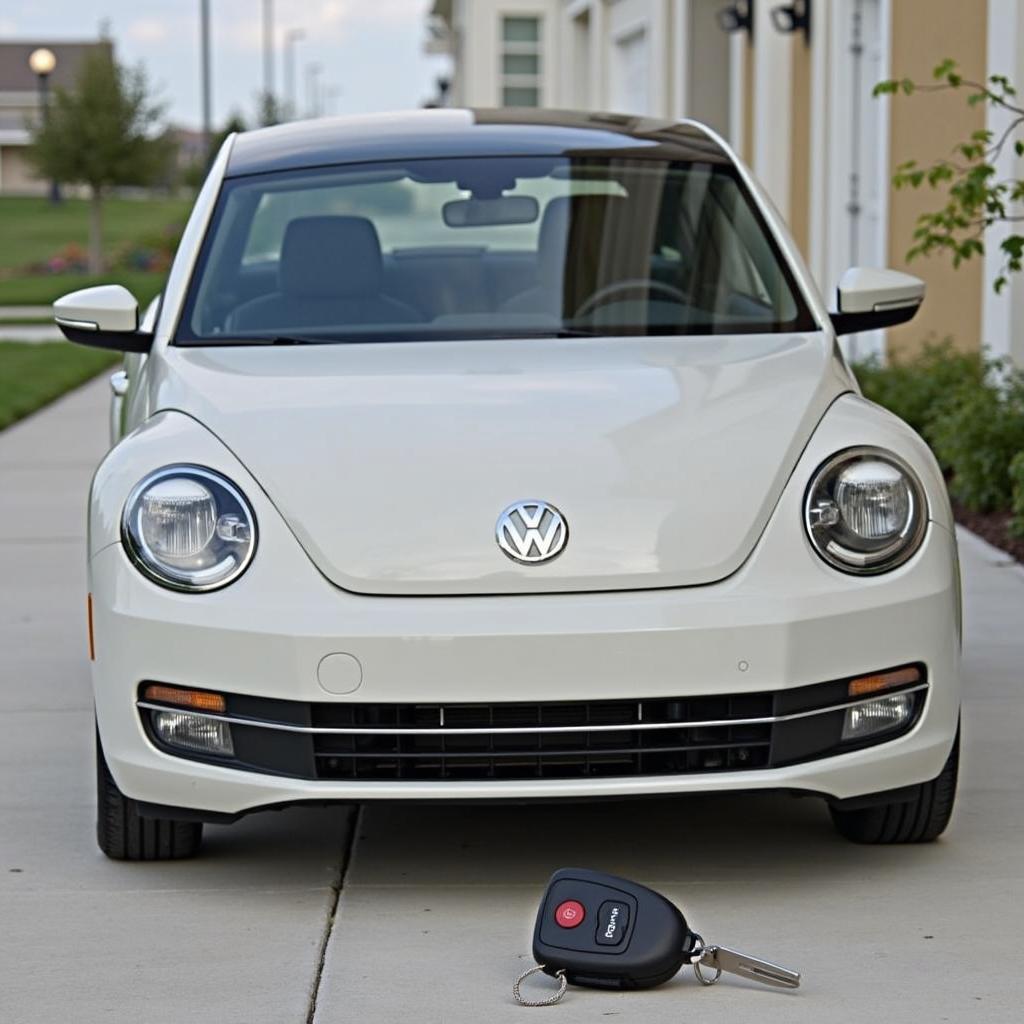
(610,292)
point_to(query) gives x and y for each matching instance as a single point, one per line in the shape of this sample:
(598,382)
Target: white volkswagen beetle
(504,455)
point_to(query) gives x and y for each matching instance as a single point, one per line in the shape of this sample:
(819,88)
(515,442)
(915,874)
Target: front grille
(433,742)
(591,750)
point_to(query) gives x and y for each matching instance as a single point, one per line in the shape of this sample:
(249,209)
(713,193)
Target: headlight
(189,528)
(865,511)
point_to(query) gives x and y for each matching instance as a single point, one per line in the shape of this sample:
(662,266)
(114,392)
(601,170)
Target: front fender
(166,438)
(853,420)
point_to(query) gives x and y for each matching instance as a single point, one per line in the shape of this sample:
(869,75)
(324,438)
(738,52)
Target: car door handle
(119,383)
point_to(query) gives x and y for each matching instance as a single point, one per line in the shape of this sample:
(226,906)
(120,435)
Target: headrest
(330,257)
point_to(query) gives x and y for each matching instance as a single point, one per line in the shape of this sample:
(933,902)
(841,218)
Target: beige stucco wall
(925,127)
(800,161)
(17,177)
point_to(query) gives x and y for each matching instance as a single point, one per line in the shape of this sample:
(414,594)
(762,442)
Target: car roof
(450,132)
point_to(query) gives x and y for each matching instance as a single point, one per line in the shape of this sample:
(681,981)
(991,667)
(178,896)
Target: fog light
(882,714)
(193,732)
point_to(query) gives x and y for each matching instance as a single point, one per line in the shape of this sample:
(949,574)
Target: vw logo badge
(532,531)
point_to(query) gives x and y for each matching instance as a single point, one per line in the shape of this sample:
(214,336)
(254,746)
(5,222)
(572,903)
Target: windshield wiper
(296,339)
(576,332)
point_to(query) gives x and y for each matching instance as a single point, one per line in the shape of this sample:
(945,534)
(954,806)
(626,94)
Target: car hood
(391,462)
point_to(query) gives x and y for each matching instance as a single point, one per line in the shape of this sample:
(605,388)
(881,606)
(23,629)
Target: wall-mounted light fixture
(738,17)
(794,17)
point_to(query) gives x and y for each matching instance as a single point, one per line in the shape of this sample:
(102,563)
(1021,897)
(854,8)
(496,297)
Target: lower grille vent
(593,739)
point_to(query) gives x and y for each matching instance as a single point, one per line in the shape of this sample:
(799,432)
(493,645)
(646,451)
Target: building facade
(790,86)
(20,105)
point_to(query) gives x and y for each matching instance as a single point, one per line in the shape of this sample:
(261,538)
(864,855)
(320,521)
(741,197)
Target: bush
(970,410)
(977,432)
(1017,482)
(918,389)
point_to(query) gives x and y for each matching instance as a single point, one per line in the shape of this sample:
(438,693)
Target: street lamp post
(204,75)
(268,62)
(291,37)
(313,72)
(42,62)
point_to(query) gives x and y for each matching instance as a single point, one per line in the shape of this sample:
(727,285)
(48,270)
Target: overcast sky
(370,50)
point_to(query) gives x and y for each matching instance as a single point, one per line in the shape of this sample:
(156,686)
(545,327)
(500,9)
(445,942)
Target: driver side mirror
(106,316)
(870,299)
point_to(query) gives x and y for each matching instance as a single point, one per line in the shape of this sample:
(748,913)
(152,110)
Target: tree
(105,132)
(268,110)
(976,197)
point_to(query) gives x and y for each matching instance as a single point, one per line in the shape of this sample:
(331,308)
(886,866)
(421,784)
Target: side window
(267,230)
(734,264)
(740,271)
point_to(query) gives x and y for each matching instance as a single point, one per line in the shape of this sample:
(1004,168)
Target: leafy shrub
(977,432)
(970,410)
(917,389)
(1017,482)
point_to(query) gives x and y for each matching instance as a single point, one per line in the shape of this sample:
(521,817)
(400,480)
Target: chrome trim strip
(81,325)
(518,730)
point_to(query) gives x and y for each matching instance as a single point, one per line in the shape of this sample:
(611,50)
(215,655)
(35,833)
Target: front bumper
(783,621)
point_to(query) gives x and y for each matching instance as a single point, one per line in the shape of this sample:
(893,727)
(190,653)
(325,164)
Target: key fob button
(612,921)
(569,914)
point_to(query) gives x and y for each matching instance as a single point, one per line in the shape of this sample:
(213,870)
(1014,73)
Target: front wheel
(124,834)
(920,819)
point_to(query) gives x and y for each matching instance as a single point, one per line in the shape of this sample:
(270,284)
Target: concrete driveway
(423,913)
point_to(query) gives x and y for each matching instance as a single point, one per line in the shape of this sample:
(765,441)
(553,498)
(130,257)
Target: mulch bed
(993,527)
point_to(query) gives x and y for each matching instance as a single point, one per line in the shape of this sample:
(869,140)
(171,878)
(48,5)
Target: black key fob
(608,932)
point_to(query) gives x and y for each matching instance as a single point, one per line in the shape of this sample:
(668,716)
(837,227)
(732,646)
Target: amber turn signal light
(197,700)
(92,636)
(863,686)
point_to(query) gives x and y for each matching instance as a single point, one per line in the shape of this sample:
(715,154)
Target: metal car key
(601,931)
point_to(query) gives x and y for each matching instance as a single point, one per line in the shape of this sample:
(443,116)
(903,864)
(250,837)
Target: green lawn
(33,374)
(32,229)
(42,289)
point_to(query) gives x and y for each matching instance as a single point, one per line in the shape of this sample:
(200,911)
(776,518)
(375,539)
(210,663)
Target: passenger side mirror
(106,316)
(871,298)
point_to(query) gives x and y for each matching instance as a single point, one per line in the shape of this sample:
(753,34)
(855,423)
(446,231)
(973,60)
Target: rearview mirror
(871,298)
(477,213)
(106,316)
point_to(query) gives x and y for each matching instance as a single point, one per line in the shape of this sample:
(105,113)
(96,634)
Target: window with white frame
(521,61)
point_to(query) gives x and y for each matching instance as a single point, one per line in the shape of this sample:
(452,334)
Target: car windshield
(483,247)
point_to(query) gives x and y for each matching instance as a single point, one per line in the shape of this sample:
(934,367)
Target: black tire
(921,819)
(123,834)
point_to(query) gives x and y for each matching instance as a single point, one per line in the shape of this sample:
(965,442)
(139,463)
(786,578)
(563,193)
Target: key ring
(549,1000)
(696,958)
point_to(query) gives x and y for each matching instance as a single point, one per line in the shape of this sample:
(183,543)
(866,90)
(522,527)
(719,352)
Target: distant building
(796,105)
(189,148)
(19,104)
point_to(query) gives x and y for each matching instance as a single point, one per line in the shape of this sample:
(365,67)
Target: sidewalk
(30,332)
(436,909)
(234,937)
(24,312)
(10,330)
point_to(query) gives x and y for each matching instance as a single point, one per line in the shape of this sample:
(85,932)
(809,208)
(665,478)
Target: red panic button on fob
(569,914)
